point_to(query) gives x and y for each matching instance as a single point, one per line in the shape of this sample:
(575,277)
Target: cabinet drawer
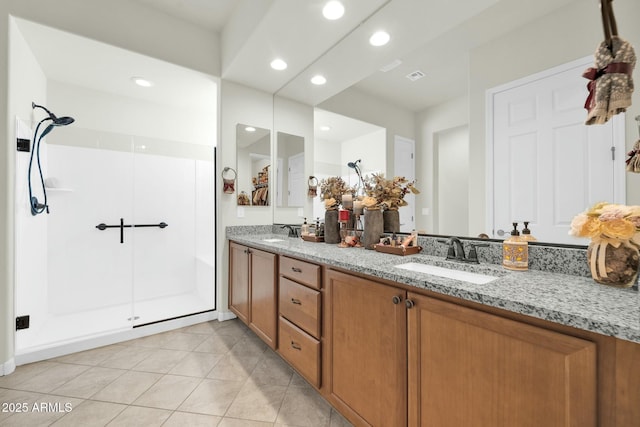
(300,305)
(300,271)
(301,350)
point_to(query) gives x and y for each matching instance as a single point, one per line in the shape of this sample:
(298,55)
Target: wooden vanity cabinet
(468,367)
(365,353)
(397,358)
(299,322)
(253,290)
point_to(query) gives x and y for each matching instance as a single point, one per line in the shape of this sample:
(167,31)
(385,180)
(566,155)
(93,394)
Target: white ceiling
(427,35)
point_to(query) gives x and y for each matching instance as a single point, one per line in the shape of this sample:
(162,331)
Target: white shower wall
(95,284)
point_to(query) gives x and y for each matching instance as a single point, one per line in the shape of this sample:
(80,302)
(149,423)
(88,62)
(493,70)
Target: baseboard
(7,367)
(226,315)
(37,354)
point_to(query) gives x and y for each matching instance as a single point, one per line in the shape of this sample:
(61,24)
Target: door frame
(617,123)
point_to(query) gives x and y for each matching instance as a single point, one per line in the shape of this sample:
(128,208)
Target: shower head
(354,165)
(57,121)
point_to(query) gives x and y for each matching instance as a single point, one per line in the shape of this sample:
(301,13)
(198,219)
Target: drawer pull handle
(295,346)
(296,301)
(296,269)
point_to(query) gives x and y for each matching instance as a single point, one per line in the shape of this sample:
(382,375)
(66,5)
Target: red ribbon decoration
(594,74)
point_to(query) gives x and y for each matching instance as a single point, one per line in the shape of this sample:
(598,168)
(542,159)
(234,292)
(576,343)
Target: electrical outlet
(24,144)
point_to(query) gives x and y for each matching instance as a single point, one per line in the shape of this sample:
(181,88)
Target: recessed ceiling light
(318,80)
(333,10)
(325,128)
(141,81)
(379,38)
(250,129)
(278,64)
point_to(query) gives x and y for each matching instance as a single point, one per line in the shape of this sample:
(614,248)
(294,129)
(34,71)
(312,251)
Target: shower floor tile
(209,374)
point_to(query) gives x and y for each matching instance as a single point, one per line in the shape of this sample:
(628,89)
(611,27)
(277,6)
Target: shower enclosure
(129,239)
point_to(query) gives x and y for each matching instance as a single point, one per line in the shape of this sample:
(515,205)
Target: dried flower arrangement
(389,193)
(331,191)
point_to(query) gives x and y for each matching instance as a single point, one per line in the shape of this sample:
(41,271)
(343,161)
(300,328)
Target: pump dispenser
(515,251)
(526,233)
(304,230)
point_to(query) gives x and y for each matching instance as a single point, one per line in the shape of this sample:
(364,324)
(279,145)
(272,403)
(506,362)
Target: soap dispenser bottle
(515,251)
(304,230)
(526,233)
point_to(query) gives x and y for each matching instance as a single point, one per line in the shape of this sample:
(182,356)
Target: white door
(548,166)
(404,165)
(296,182)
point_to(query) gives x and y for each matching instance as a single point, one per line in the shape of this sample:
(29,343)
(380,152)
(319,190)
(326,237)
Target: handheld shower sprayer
(36,206)
(354,165)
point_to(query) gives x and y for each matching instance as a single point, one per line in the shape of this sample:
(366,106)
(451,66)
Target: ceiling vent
(390,66)
(416,75)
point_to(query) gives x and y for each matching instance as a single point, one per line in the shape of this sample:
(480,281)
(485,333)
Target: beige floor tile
(182,341)
(257,402)
(196,364)
(46,410)
(234,368)
(303,406)
(161,361)
(53,377)
(90,413)
(135,416)
(212,397)
(232,327)
(249,346)
(18,403)
(218,344)
(127,358)
(235,422)
(337,420)
(205,328)
(24,373)
(89,382)
(298,381)
(184,419)
(168,393)
(91,357)
(272,370)
(128,387)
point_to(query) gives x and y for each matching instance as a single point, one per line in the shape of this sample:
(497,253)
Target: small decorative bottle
(515,251)
(304,230)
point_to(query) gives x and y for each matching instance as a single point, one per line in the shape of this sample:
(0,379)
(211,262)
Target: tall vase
(391,221)
(614,266)
(331,226)
(373,227)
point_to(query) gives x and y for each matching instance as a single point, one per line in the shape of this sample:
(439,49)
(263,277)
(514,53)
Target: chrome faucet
(292,231)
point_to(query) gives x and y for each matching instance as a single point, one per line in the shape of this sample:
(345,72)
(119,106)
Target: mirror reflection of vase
(391,220)
(613,266)
(331,226)
(373,227)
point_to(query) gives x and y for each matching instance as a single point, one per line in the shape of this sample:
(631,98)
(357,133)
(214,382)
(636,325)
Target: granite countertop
(565,299)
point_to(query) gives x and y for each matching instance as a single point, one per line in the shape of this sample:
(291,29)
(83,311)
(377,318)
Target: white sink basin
(273,240)
(449,273)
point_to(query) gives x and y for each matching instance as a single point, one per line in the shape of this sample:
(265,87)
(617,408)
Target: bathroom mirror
(253,154)
(458,68)
(290,182)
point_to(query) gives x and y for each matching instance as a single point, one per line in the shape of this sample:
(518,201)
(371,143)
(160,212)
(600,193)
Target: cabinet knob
(295,346)
(296,301)
(396,299)
(296,269)
(409,303)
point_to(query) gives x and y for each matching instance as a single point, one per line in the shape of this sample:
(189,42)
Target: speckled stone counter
(572,300)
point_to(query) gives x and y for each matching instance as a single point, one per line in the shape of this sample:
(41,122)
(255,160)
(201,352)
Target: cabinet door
(365,359)
(239,281)
(468,367)
(264,305)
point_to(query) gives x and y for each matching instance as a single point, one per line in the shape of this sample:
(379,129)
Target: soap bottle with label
(515,251)
(304,230)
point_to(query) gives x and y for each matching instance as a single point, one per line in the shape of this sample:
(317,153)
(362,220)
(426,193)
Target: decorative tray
(315,239)
(398,250)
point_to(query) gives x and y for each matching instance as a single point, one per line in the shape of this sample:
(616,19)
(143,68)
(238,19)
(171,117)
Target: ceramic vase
(614,266)
(391,219)
(373,227)
(331,226)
